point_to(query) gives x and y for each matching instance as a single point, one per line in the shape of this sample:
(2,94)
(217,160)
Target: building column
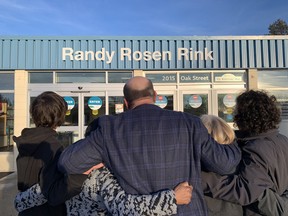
(21,107)
(252,79)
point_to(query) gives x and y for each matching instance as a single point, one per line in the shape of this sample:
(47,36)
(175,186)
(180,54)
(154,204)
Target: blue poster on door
(161,101)
(94,103)
(70,102)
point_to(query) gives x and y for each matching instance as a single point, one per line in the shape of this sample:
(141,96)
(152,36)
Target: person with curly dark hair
(256,112)
(263,172)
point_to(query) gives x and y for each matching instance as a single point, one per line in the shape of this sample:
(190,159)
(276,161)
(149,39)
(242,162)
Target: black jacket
(264,166)
(39,151)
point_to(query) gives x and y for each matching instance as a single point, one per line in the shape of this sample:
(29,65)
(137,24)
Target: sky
(139,17)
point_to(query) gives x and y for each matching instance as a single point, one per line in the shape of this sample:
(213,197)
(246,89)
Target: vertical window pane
(6,81)
(165,101)
(226,106)
(94,107)
(41,77)
(72,114)
(282,98)
(116,77)
(6,121)
(80,77)
(66,138)
(196,104)
(272,79)
(116,105)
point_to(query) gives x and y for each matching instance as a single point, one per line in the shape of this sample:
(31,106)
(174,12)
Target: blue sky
(139,17)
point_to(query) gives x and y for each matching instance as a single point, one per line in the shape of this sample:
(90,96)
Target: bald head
(138,88)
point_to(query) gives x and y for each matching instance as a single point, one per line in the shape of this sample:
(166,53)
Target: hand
(183,193)
(93,168)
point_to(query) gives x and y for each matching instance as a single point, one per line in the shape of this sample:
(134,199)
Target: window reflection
(116,105)
(6,121)
(196,104)
(6,81)
(282,98)
(66,138)
(226,106)
(41,77)
(91,109)
(80,77)
(117,77)
(272,79)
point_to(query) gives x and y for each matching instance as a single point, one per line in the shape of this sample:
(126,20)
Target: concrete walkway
(8,190)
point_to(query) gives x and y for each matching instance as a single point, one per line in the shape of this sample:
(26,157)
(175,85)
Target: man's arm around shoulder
(80,156)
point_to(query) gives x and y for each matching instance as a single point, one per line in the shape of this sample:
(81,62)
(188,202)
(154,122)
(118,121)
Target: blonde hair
(218,129)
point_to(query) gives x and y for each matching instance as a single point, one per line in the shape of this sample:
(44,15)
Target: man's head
(138,90)
(48,110)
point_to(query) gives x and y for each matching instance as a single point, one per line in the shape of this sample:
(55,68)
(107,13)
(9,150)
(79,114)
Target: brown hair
(48,110)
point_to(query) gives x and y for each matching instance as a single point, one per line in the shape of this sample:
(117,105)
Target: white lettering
(91,54)
(196,53)
(182,52)
(79,55)
(110,57)
(67,52)
(125,52)
(156,56)
(168,54)
(147,56)
(208,54)
(137,56)
(205,78)
(100,55)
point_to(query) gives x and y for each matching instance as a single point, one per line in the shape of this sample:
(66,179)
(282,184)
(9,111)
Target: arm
(117,201)
(218,158)
(271,203)
(80,156)
(58,187)
(215,157)
(243,188)
(29,198)
(33,196)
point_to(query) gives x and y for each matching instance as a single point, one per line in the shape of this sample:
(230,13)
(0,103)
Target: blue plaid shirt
(149,149)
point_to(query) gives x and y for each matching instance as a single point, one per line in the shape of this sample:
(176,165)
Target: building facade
(199,75)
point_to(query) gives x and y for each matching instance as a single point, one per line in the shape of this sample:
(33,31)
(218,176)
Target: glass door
(195,102)
(166,99)
(83,108)
(225,102)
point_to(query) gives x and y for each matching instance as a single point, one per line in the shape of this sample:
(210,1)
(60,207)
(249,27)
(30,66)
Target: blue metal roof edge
(244,37)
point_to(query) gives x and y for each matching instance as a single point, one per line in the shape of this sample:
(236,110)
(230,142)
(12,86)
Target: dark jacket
(150,149)
(39,151)
(264,166)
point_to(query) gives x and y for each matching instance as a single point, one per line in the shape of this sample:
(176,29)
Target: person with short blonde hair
(218,129)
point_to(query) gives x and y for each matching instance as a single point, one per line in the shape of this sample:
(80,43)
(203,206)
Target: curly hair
(256,112)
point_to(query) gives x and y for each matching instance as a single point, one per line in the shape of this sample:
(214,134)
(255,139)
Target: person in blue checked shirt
(149,148)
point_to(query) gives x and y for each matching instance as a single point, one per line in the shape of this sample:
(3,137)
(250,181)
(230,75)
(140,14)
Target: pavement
(8,190)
